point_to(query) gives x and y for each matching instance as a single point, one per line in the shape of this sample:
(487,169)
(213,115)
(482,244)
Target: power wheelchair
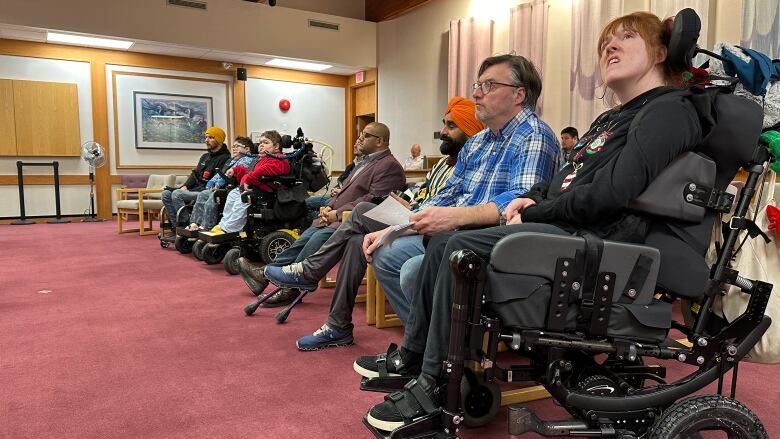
(587,313)
(273,218)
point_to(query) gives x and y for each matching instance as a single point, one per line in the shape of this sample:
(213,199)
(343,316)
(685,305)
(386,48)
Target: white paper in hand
(396,231)
(390,212)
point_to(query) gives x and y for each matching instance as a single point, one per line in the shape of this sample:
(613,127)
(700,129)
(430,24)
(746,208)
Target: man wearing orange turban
(463,113)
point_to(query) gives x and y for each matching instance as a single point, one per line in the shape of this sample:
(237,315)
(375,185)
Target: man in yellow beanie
(214,158)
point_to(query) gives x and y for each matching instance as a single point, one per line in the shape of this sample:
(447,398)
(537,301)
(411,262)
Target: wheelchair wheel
(480,400)
(231,260)
(183,245)
(274,243)
(688,417)
(213,253)
(197,249)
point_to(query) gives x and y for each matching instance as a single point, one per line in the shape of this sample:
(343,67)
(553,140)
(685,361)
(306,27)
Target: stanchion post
(20,182)
(58,219)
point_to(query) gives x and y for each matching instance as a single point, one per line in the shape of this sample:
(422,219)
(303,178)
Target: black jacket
(613,166)
(207,167)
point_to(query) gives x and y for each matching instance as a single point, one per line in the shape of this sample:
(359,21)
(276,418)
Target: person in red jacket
(267,163)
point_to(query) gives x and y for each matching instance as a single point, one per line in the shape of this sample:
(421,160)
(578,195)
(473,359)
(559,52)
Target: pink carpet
(105,336)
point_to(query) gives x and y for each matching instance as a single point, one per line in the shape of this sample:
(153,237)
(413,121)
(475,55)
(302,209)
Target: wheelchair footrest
(522,420)
(183,231)
(386,384)
(218,239)
(429,426)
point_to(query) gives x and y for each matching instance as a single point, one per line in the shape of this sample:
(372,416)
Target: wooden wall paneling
(100,135)
(46,118)
(239,109)
(365,100)
(7,124)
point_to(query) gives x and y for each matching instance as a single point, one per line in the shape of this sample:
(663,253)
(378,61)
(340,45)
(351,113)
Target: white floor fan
(92,153)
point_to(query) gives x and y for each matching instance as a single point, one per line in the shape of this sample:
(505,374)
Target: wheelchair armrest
(287,180)
(536,254)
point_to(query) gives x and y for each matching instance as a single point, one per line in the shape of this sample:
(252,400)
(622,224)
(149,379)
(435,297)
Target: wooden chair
(376,306)
(146,203)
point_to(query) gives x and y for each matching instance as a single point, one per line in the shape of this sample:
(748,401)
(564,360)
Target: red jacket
(266,166)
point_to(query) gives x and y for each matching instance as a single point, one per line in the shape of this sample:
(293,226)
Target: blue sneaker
(289,276)
(325,337)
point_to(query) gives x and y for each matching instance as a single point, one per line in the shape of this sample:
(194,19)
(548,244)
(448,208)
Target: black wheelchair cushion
(536,254)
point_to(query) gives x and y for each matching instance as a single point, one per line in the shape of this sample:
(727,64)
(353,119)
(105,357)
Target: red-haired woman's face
(623,58)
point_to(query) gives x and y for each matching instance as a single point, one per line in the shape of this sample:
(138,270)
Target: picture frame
(171,121)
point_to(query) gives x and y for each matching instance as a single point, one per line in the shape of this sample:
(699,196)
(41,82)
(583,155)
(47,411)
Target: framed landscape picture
(169,121)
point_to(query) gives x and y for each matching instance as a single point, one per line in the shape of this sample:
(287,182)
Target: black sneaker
(391,363)
(283,297)
(419,398)
(253,276)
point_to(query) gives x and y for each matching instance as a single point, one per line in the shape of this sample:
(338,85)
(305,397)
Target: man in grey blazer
(378,174)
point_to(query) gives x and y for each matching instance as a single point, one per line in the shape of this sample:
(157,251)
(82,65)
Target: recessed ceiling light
(81,40)
(303,65)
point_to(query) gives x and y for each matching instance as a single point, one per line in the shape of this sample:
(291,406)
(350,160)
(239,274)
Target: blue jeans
(306,245)
(389,264)
(175,200)
(314,203)
(204,213)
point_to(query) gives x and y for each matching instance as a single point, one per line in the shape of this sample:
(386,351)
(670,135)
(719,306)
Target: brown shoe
(252,275)
(283,297)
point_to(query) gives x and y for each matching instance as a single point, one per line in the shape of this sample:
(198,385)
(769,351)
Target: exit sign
(360,77)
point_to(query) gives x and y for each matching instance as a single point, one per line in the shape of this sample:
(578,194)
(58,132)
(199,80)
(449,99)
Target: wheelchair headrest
(287,141)
(682,42)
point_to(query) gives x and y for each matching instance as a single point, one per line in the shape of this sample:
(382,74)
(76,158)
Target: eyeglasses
(488,86)
(238,145)
(368,135)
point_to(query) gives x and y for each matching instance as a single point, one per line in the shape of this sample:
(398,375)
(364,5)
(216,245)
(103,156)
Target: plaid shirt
(498,167)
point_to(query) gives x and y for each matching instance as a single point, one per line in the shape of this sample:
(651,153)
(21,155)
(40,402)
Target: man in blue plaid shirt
(496,165)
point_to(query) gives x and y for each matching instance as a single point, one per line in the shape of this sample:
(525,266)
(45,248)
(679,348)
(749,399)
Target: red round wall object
(284,105)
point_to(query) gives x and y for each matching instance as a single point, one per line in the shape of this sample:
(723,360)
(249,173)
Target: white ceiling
(13,32)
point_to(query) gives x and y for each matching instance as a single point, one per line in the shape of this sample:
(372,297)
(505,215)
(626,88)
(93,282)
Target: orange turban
(463,113)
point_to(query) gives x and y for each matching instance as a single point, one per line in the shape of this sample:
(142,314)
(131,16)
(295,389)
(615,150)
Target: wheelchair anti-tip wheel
(197,249)
(688,417)
(479,399)
(231,260)
(183,245)
(164,244)
(213,253)
(274,243)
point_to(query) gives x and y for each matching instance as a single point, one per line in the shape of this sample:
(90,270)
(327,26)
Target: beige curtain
(471,41)
(528,34)
(588,18)
(668,8)
(761,26)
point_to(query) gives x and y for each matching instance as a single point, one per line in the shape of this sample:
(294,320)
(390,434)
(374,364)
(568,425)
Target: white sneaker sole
(329,345)
(362,371)
(383,425)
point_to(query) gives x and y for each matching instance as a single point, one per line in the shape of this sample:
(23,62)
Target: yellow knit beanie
(217,133)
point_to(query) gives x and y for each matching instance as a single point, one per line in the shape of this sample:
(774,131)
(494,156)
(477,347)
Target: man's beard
(450,146)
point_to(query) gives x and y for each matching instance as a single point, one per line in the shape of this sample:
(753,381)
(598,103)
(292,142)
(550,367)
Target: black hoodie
(207,167)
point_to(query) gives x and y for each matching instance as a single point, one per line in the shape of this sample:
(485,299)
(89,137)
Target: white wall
(413,83)
(229,25)
(39,200)
(318,109)
(127,84)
